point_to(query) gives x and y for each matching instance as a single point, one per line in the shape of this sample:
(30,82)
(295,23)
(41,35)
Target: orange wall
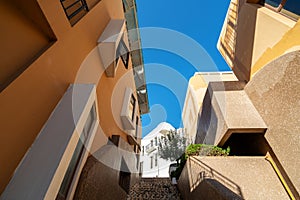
(29,100)
(110,93)
(20,40)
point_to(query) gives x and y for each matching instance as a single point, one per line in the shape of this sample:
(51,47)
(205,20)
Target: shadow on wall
(220,102)
(108,173)
(97,180)
(199,181)
(207,123)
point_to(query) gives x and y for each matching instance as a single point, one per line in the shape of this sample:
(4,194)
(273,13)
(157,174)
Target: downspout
(269,158)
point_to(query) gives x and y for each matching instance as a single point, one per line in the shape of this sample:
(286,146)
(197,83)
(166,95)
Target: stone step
(153,189)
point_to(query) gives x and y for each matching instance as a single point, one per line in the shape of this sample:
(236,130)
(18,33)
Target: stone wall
(230,178)
(275,92)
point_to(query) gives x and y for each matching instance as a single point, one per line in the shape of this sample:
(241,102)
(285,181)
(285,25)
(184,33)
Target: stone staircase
(154,188)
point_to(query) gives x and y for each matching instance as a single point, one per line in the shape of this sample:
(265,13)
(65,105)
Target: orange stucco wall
(28,101)
(20,40)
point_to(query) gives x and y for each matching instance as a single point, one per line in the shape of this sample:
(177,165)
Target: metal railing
(73,7)
(207,172)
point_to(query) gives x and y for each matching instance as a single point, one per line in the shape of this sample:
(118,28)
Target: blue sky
(181,24)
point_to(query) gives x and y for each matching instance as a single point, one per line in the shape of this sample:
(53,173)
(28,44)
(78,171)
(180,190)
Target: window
(137,128)
(64,188)
(131,107)
(290,8)
(151,143)
(155,141)
(123,52)
(74,9)
(141,167)
(75,160)
(156,160)
(128,112)
(89,124)
(151,162)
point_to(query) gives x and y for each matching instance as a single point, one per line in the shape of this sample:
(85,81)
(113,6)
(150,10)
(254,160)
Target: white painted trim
(128,123)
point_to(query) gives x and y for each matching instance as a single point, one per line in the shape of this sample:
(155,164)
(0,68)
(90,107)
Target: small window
(151,143)
(74,9)
(155,141)
(137,128)
(123,52)
(156,160)
(131,107)
(128,112)
(75,160)
(141,167)
(151,162)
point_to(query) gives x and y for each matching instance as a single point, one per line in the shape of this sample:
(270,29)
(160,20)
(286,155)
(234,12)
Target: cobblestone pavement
(153,188)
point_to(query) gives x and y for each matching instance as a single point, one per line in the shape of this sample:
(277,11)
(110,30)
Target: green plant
(198,150)
(206,150)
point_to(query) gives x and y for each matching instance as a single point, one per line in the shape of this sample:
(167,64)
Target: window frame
(77,154)
(120,55)
(151,162)
(129,122)
(83,7)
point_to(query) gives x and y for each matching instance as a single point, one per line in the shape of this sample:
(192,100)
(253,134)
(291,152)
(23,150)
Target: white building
(152,165)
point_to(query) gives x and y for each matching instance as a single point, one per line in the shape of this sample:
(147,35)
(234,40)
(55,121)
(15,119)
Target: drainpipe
(269,158)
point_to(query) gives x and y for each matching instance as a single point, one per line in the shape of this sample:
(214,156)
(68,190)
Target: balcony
(150,149)
(227,110)
(249,31)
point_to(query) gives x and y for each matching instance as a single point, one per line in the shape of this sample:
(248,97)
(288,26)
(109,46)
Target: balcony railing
(74,9)
(150,149)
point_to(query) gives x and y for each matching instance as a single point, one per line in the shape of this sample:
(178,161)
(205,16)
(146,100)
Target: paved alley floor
(154,188)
